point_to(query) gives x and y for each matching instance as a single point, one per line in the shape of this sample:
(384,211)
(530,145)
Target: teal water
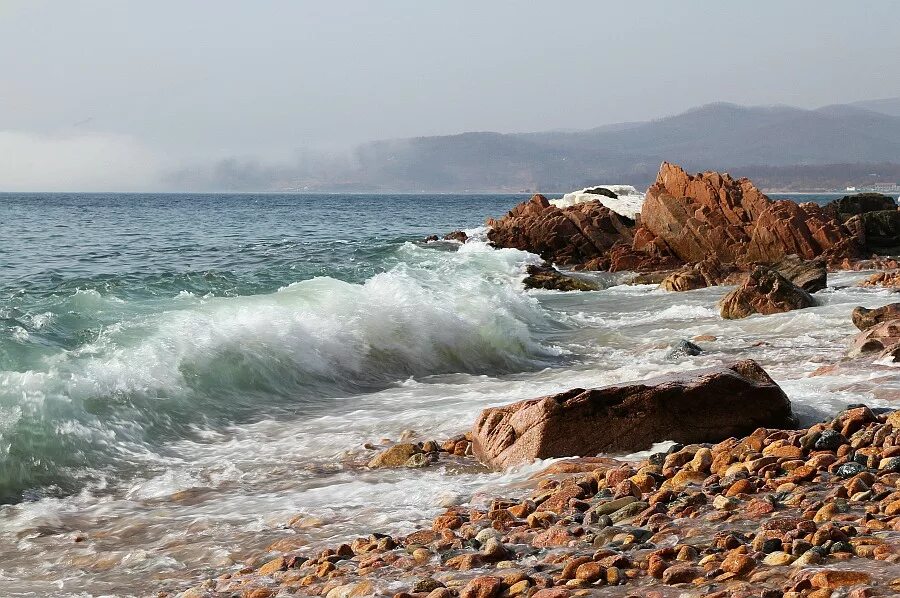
(181,375)
(130,321)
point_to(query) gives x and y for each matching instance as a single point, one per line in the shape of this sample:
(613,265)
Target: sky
(98,95)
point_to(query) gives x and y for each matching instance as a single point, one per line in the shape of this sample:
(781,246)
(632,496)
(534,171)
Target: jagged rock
(877,339)
(548,277)
(866,318)
(888,280)
(714,215)
(567,236)
(704,405)
(684,348)
(764,291)
(809,275)
(849,206)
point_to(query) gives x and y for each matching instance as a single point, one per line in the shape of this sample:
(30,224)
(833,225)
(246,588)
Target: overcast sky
(106,93)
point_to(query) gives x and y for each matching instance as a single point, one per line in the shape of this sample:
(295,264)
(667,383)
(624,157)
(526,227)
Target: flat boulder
(706,405)
(864,318)
(764,291)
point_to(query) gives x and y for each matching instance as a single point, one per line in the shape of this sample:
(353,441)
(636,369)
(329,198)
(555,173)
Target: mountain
(828,147)
(889,106)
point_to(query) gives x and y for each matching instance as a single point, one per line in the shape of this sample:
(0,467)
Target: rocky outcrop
(866,318)
(548,277)
(709,214)
(847,207)
(809,275)
(700,406)
(877,340)
(764,291)
(565,236)
(889,280)
(877,232)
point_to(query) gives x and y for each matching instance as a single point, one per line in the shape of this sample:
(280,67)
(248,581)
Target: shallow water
(182,376)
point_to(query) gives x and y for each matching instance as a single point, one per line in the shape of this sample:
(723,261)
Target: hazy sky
(105,94)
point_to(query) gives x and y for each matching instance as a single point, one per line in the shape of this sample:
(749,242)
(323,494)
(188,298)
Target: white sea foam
(628,203)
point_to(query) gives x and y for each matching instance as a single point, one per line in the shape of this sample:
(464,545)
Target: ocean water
(181,376)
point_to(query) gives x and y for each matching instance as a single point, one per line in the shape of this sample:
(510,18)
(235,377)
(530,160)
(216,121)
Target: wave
(151,378)
(628,203)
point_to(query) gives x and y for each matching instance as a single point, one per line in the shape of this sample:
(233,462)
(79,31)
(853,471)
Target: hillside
(793,148)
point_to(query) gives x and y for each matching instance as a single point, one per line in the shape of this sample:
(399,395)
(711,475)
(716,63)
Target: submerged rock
(764,291)
(684,348)
(395,456)
(866,318)
(457,235)
(548,277)
(699,406)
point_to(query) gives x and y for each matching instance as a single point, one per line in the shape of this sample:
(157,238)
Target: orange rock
(839,578)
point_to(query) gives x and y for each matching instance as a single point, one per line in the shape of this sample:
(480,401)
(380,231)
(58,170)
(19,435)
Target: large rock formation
(712,214)
(877,232)
(567,236)
(764,291)
(705,405)
(847,207)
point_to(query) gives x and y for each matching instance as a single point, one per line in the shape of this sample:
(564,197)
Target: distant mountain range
(780,146)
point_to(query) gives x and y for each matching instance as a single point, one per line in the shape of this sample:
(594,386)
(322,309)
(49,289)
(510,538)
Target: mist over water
(180,376)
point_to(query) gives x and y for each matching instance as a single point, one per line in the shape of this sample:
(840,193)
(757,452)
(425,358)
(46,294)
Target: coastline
(785,512)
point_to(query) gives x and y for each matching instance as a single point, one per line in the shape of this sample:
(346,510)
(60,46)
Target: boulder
(707,273)
(847,207)
(713,215)
(764,291)
(395,456)
(684,348)
(877,339)
(866,318)
(548,277)
(706,405)
(809,275)
(457,235)
(877,232)
(565,236)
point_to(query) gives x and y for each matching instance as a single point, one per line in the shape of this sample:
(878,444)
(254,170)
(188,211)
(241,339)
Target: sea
(189,382)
